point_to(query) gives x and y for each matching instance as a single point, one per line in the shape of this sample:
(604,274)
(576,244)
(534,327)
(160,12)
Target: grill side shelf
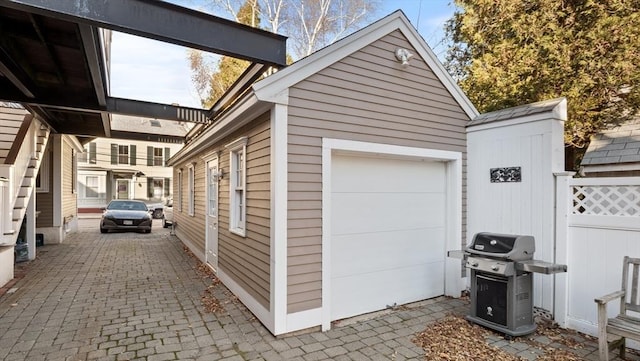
(536,266)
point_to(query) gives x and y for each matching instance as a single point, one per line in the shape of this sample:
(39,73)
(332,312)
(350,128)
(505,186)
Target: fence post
(561,244)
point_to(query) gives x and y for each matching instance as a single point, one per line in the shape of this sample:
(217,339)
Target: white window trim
(86,186)
(160,157)
(43,173)
(192,189)
(179,203)
(237,222)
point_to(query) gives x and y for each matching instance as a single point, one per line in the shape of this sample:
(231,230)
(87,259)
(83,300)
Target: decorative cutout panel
(506,175)
(619,200)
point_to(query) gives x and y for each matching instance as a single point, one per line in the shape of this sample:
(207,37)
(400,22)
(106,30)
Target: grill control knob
(474,264)
(495,267)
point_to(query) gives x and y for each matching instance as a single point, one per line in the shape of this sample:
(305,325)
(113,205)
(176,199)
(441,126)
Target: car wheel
(164,223)
(103,230)
(157,213)
(147,231)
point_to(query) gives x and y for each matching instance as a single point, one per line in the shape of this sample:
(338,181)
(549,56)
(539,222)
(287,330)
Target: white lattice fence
(607,199)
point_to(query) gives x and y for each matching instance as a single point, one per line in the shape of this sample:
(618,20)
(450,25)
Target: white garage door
(387,233)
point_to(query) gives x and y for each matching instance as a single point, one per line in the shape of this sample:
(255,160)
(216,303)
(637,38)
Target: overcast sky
(153,71)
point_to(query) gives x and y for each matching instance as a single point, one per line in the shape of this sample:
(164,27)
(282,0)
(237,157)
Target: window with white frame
(192,189)
(237,186)
(178,203)
(91,189)
(158,157)
(123,154)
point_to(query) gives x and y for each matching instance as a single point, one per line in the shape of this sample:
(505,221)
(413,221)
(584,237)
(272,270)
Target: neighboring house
(32,159)
(614,152)
(333,187)
(125,169)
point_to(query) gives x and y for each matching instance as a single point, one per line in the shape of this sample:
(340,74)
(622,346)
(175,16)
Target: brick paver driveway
(129,296)
(126,296)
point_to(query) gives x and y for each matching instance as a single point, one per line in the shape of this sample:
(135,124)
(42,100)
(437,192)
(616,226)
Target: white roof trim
(271,87)
(244,111)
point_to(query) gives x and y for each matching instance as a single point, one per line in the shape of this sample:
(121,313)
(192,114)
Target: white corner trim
(304,319)
(453,283)
(252,304)
(279,200)
(58,159)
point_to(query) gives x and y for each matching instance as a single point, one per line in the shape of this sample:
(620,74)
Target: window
(84,156)
(74,170)
(42,179)
(178,203)
(237,189)
(192,190)
(158,159)
(91,187)
(123,154)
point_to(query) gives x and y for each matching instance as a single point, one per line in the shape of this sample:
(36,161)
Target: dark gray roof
(618,144)
(516,112)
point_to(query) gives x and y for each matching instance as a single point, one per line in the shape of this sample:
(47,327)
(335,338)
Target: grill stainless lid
(505,246)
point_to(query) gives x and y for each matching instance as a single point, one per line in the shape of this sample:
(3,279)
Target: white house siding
(365,97)
(245,259)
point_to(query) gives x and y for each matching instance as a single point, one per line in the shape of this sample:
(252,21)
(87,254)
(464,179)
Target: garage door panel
(364,174)
(383,212)
(377,290)
(388,220)
(360,254)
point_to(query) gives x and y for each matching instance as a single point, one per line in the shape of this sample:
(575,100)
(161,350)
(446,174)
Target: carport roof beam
(168,23)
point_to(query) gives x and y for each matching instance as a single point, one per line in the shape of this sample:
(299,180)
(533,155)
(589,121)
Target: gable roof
(272,87)
(615,145)
(520,111)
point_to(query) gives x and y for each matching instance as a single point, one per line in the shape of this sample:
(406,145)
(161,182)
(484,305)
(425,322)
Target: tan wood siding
(191,227)
(245,259)
(44,200)
(364,97)
(69,199)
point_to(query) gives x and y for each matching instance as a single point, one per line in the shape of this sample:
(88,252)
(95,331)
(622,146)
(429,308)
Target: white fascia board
(558,113)
(620,167)
(73,142)
(272,87)
(515,121)
(242,113)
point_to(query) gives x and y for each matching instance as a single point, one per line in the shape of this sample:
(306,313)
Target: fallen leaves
(453,338)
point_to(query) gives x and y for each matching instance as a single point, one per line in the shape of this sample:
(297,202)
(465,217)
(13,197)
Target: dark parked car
(126,215)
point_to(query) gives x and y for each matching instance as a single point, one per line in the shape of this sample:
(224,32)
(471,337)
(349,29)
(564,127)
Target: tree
(310,24)
(513,52)
(212,84)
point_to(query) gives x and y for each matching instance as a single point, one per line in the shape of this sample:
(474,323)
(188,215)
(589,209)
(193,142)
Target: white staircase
(20,177)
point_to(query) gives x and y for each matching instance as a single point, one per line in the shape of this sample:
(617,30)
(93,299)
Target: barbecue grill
(502,268)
